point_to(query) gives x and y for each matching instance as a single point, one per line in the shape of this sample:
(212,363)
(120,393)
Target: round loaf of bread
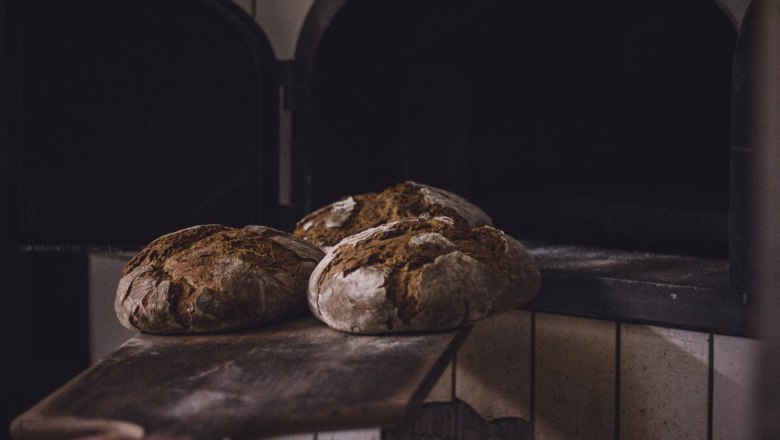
(330,224)
(420,274)
(210,278)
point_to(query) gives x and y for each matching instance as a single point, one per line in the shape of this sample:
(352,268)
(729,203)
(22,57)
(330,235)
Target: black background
(602,123)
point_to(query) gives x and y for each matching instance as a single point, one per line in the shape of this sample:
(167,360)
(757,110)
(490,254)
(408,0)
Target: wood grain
(292,377)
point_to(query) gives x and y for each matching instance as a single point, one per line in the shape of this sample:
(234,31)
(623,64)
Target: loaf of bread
(330,224)
(211,278)
(420,274)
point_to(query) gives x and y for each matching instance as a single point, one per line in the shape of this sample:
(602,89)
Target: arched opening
(129,119)
(139,118)
(594,123)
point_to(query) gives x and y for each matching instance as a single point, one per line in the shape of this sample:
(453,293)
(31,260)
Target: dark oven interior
(607,136)
(595,123)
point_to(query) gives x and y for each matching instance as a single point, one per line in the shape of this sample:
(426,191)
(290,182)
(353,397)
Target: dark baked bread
(330,224)
(211,278)
(420,274)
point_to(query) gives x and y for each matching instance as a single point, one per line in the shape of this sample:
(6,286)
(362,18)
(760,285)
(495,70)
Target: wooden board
(291,377)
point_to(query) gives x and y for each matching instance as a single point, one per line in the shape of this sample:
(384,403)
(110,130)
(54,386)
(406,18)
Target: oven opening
(596,132)
(141,118)
(589,123)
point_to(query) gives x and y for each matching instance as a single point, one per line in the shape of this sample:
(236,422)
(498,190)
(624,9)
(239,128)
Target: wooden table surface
(290,377)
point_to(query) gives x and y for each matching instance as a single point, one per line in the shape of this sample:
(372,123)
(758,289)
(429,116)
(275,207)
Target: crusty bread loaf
(330,224)
(211,278)
(420,274)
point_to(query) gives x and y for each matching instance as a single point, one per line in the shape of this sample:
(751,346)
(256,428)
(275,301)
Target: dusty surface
(282,379)
(420,274)
(212,277)
(329,225)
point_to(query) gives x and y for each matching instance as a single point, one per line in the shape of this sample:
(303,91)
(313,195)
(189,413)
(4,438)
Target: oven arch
(314,36)
(119,96)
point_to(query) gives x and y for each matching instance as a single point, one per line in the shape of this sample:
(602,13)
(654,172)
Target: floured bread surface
(420,274)
(211,278)
(329,225)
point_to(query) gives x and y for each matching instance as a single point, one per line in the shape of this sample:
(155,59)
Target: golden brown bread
(420,274)
(330,224)
(211,277)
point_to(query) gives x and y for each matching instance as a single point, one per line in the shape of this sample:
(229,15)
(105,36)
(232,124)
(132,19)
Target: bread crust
(420,274)
(211,278)
(350,215)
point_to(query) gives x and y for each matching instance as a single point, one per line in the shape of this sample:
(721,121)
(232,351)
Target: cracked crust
(211,278)
(330,224)
(420,274)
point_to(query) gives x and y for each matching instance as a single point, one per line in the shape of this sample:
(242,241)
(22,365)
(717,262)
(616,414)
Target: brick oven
(618,140)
